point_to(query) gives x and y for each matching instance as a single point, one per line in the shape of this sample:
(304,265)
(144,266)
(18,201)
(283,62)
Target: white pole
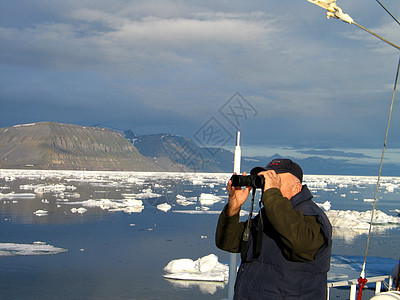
(238,154)
(234,256)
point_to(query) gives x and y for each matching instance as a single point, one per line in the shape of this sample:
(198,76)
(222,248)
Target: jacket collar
(302,196)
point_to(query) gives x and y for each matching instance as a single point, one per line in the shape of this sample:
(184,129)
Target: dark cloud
(157,66)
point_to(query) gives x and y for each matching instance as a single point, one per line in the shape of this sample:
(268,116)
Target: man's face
(290,185)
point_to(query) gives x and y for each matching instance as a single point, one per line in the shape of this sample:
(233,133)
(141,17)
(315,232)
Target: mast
(233,262)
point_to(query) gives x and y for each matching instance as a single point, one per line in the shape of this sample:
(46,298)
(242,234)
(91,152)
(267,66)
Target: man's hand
(272,180)
(237,196)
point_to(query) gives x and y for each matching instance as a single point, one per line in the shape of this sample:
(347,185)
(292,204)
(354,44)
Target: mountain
(171,150)
(167,149)
(48,145)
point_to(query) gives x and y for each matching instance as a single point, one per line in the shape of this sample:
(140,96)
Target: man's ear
(297,188)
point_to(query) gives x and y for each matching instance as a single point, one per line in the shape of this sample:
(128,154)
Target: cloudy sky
(279,71)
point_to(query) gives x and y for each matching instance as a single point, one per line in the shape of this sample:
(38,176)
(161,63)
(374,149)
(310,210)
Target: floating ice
(126,182)
(50,188)
(397,211)
(349,266)
(41,212)
(80,210)
(197,212)
(209,199)
(182,200)
(206,268)
(125,205)
(147,193)
(359,220)
(368,200)
(326,205)
(17,196)
(164,207)
(59,190)
(37,248)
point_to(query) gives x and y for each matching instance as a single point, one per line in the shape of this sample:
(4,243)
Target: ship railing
(353,283)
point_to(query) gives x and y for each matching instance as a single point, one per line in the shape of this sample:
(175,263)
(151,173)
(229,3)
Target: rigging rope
(362,275)
(388,11)
(336,12)
(378,36)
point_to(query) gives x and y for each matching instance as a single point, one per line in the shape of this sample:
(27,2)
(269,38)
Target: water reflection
(116,223)
(204,286)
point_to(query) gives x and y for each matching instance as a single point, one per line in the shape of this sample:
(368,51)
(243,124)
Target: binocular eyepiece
(255,181)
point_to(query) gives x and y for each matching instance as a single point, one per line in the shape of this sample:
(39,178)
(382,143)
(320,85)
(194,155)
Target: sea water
(109,235)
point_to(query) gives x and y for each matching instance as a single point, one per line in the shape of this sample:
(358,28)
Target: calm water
(118,251)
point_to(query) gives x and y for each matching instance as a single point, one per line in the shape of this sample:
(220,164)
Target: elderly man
(287,255)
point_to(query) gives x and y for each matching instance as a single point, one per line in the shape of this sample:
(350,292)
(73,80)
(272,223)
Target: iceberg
(206,268)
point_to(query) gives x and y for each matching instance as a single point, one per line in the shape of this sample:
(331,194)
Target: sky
(278,71)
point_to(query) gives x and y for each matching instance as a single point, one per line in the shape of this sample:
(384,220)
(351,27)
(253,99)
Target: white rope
(336,12)
(362,275)
(378,36)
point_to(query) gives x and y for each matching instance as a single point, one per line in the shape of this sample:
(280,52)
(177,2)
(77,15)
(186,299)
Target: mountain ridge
(50,145)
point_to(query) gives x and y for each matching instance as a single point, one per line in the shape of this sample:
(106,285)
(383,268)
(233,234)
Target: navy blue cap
(281,165)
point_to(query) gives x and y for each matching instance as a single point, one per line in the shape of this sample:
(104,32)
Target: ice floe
(359,220)
(209,199)
(182,200)
(326,205)
(13,195)
(41,212)
(206,268)
(164,207)
(125,205)
(80,210)
(37,248)
(146,193)
(198,212)
(202,193)
(345,267)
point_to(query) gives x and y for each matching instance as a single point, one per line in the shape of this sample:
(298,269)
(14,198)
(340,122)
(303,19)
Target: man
(288,252)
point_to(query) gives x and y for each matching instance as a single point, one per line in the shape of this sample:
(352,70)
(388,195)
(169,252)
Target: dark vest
(272,276)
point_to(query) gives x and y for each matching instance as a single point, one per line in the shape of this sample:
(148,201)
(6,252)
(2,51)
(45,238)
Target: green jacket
(301,235)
